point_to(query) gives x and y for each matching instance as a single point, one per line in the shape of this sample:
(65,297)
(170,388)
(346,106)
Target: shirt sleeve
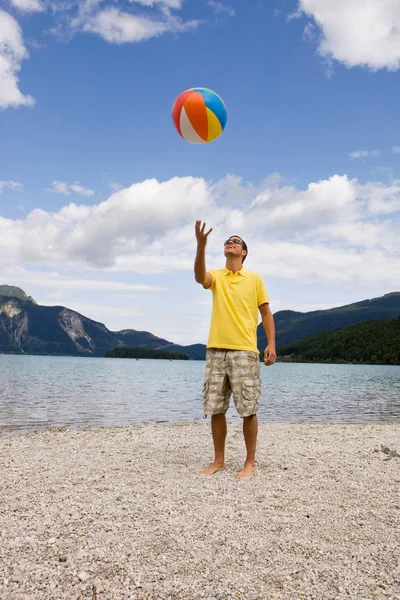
(262,295)
(212,273)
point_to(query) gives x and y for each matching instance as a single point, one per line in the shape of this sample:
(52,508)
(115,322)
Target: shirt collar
(242,271)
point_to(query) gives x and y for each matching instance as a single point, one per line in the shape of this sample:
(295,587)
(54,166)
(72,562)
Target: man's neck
(234,265)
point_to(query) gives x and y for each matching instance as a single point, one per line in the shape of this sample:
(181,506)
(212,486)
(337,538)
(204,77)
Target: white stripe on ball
(188,132)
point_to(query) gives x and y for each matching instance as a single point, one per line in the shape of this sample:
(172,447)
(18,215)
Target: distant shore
(116,513)
(284,359)
(279,359)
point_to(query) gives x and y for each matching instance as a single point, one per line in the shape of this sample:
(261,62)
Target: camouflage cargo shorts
(229,372)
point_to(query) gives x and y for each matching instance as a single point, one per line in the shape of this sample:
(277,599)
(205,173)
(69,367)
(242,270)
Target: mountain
(27,327)
(292,326)
(366,342)
(15,292)
(136,339)
(133,338)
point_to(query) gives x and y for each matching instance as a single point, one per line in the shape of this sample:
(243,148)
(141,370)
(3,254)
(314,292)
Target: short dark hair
(244,245)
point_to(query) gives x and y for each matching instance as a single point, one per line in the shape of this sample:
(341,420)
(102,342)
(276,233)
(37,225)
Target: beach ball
(199,115)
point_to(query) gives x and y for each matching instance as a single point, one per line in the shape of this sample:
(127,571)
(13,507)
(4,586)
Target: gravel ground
(118,513)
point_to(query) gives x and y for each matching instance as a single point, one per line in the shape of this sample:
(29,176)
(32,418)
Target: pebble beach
(124,513)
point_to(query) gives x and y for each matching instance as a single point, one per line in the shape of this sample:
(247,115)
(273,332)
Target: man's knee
(219,416)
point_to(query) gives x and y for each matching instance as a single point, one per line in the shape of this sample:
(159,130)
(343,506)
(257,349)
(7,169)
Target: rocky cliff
(26,327)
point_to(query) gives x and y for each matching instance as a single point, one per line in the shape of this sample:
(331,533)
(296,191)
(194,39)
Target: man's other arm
(269,328)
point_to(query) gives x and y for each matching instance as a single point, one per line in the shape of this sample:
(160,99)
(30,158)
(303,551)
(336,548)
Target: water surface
(41,391)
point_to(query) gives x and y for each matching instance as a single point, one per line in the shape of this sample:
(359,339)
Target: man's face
(233,246)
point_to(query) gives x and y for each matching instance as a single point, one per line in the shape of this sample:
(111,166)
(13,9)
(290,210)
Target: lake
(37,392)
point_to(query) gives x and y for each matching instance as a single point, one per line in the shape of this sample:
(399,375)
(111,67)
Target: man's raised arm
(200,273)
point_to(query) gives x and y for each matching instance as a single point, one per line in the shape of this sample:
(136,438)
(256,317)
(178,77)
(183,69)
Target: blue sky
(99,194)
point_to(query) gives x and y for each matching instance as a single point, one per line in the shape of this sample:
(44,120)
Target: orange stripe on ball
(196,111)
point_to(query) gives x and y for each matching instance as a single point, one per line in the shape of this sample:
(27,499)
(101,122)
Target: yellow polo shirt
(234,319)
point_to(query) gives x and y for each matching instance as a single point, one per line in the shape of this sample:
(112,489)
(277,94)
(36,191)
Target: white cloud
(130,219)
(284,210)
(167,3)
(149,227)
(28,5)
(219,8)
(380,199)
(396,149)
(336,234)
(318,263)
(66,284)
(60,187)
(140,20)
(12,53)
(120,27)
(364,153)
(357,33)
(10,185)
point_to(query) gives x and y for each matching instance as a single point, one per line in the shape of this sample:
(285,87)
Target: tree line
(370,342)
(125,352)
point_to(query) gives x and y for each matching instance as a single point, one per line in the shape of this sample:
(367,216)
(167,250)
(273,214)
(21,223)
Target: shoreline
(9,430)
(123,513)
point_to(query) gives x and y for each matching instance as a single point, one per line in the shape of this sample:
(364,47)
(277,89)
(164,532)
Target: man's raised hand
(200,235)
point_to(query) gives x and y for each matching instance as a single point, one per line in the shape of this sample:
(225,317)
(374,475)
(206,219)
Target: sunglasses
(234,241)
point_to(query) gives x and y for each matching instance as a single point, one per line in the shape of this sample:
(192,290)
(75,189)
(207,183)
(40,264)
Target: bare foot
(213,468)
(246,473)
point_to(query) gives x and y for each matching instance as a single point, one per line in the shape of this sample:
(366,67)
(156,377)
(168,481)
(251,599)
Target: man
(232,357)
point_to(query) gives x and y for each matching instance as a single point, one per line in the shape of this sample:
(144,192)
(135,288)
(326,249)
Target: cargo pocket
(215,394)
(251,392)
